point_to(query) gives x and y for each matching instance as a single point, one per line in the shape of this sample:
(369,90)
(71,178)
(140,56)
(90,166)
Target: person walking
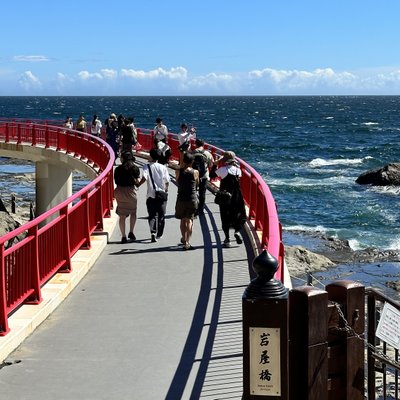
(128,134)
(81,124)
(126,177)
(158,179)
(160,132)
(187,179)
(95,129)
(112,133)
(232,211)
(203,161)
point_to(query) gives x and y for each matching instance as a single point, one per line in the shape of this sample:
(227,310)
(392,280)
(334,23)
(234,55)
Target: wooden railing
(47,249)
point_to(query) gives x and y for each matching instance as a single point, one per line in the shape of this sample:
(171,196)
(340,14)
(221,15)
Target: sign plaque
(265,361)
(389,326)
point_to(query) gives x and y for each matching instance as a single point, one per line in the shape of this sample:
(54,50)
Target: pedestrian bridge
(144,320)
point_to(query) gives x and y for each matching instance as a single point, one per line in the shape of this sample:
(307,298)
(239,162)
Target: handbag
(223,198)
(161,195)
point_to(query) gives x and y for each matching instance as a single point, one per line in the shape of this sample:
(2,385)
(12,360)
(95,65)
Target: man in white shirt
(157,178)
(160,132)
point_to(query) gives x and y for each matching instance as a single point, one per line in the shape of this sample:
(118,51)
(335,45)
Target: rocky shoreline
(326,253)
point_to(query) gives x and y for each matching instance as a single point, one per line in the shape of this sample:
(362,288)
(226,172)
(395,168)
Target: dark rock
(395,285)
(8,224)
(385,176)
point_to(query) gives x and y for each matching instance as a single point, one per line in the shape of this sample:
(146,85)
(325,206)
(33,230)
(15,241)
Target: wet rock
(300,260)
(395,285)
(387,175)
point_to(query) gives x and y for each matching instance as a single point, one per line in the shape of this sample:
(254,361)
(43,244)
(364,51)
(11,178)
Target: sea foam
(320,162)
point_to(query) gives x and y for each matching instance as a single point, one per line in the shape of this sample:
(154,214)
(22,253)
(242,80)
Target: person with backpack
(203,160)
(232,210)
(128,134)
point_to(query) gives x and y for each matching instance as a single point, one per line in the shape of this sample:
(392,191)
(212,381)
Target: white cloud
(178,73)
(179,81)
(31,58)
(295,79)
(28,81)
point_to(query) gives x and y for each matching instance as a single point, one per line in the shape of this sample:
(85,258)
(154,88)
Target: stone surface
(300,260)
(387,175)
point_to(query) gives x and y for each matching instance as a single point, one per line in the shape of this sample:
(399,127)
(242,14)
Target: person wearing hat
(233,213)
(126,177)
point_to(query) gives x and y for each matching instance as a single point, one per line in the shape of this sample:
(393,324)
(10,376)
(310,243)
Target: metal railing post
(4,329)
(265,333)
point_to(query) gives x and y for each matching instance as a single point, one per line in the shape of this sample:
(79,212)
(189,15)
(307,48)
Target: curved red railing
(47,247)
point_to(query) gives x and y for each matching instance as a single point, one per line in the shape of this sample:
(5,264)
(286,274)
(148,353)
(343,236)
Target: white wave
(304,228)
(328,118)
(355,244)
(320,162)
(391,190)
(370,123)
(305,182)
(394,244)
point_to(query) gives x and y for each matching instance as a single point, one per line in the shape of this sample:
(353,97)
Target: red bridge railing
(47,249)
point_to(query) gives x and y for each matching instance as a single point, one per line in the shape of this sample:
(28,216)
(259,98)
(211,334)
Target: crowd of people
(195,168)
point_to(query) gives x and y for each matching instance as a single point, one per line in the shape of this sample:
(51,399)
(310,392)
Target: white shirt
(223,171)
(186,136)
(161,132)
(96,129)
(160,177)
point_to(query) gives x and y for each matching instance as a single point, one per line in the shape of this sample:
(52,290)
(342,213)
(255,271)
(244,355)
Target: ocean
(309,150)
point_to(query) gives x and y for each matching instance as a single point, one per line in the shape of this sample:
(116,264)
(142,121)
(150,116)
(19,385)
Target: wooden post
(346,365)
(265,333)
(308,344)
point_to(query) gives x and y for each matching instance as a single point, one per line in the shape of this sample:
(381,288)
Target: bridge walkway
(147,321)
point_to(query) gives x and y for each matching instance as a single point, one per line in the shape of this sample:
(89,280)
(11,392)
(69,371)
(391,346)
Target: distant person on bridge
(126,177)
(203,161)
(95,129)
(81,124)
(112,133)
(68,123)
(232,211)
(160,132)
(158,179)
(186,201)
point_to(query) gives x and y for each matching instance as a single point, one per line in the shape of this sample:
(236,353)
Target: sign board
(265,361)
(389,326)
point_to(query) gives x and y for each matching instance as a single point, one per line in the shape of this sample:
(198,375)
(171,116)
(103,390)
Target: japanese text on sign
(265,362)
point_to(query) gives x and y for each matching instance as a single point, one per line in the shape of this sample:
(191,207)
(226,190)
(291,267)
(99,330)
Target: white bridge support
(53,185)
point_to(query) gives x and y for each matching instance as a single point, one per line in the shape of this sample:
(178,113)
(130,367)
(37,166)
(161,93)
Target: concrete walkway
(148,321)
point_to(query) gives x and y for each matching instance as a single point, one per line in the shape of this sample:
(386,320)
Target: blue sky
(218,47)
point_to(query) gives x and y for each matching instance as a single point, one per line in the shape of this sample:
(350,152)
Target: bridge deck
(148,321)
